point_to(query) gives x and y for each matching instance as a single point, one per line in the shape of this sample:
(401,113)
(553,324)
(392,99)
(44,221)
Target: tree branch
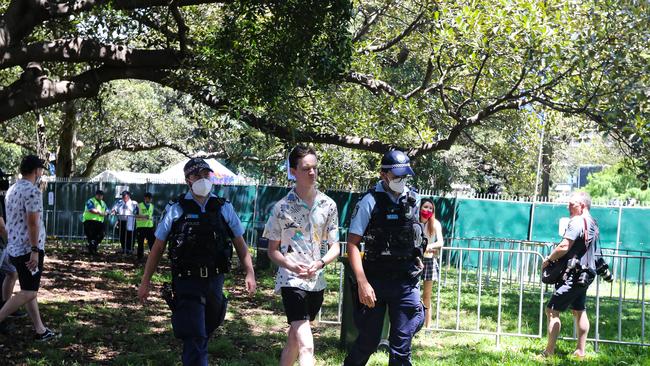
(36,90)
(22,16)
(78,50)
(102,150)
(390,43)
(182,28)
(428,74)
(375,86)
(368,21)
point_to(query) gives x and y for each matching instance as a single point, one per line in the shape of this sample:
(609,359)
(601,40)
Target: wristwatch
(322,261)
(34,249)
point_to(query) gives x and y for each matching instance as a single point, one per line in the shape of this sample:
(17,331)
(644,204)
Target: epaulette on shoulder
(371,190)
(177,199)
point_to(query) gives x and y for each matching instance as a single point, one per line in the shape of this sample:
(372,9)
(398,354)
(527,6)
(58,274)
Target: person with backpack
(578,248)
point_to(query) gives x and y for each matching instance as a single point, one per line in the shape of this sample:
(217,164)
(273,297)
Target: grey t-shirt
(576,231)
(23,197)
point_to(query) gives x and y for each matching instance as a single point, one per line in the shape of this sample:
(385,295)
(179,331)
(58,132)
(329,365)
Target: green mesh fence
(460,217)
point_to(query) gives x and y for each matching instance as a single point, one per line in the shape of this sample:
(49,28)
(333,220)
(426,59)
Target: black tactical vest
(393,237)
(199,242)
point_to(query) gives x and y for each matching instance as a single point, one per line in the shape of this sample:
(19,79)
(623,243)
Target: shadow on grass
(112,328)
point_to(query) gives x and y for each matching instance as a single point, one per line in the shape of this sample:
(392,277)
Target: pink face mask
(426,214)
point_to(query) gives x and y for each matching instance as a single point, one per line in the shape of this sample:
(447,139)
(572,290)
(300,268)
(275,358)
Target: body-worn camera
(167,294)
(603,270)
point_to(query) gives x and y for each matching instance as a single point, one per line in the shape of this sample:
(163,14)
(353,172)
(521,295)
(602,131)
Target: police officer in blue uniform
(199,228)
(387,274)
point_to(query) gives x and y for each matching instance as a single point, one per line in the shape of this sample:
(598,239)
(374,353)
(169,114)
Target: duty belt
(201,272)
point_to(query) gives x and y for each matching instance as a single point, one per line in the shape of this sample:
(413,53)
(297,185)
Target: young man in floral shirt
(303,238)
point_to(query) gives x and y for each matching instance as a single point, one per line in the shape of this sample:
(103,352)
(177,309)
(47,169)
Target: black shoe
(18,314)
(47,335)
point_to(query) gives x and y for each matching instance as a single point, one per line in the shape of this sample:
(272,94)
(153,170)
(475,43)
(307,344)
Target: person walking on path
(303,233)
(26,243)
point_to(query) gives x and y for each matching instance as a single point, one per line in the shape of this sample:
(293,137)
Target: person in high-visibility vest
(144,224)
(93,219)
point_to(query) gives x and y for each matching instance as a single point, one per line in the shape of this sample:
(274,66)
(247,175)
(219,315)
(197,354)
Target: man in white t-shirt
(300,229)
(26,242)
(126,210)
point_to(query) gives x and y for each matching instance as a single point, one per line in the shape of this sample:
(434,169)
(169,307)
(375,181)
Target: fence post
(500,299)
(453,220)
(532,220)
(618,234)
(597,333)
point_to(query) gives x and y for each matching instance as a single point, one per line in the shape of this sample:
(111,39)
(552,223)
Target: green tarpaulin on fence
(460,217)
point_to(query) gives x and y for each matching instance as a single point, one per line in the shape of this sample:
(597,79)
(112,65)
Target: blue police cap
(194,166)
(397,163)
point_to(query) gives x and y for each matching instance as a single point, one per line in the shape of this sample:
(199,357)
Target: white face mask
(202,187)
(397,185)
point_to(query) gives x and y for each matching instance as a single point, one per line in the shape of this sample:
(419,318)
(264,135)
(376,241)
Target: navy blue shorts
(567,296)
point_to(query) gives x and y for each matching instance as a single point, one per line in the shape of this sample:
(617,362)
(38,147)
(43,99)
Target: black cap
(99,192)
(31,163)
(147,195)
(194,166)
(397,163)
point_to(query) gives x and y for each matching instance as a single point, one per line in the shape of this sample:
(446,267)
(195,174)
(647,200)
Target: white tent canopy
(173,174)
(224,175)
(126,177)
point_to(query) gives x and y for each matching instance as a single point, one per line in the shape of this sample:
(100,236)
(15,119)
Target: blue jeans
(402,297)
(188,317)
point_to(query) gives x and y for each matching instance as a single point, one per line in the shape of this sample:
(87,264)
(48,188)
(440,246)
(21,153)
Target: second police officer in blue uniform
(199,229)
(387,274)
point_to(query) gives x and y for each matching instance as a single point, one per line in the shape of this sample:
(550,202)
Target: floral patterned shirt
(23,197)
(305,234)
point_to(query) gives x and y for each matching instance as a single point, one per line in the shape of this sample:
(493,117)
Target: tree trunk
(41,140)
(547,155)
(67,137)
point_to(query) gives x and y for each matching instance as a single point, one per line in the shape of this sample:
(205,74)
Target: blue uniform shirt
(361,215)
(174,211)
(90,204)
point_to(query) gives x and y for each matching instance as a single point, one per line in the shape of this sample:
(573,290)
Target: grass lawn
(92,301)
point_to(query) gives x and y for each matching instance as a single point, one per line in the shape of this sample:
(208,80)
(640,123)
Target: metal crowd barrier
(613,298)
(500,274)
(481,284)
(494,268)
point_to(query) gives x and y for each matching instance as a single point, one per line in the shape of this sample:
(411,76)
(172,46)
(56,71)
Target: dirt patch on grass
(92,301)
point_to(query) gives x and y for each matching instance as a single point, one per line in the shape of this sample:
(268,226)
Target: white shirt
(23,197)
(126,211)
(305,235)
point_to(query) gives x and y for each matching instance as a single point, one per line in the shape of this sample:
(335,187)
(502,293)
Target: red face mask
(426,214)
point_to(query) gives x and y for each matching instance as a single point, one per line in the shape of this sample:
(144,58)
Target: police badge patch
(354,212)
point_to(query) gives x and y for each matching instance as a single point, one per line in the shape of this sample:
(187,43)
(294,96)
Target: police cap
(194,166)
(397,163)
